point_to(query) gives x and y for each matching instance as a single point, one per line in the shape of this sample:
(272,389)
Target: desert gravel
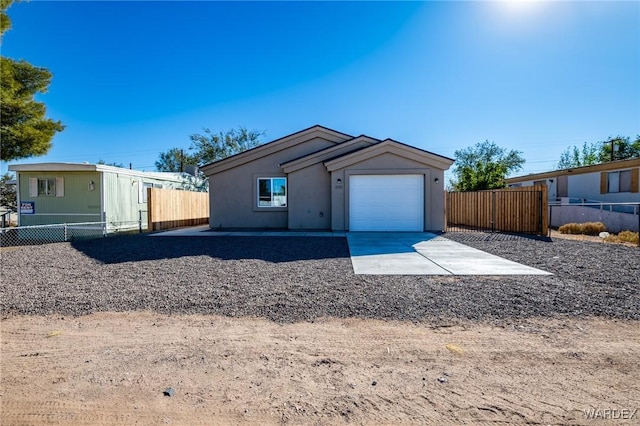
(287,279)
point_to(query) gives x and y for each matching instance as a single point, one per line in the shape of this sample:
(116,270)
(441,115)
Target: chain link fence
(616,217)
(55,233)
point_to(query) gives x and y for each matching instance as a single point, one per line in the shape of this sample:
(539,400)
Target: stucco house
(322,179)
(612,182)
(53,193)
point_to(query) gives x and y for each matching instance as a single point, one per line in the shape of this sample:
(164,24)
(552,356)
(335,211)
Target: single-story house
(612,182)
(322,179)
(52,193)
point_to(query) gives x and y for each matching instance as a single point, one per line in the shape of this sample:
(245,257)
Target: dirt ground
(112,368)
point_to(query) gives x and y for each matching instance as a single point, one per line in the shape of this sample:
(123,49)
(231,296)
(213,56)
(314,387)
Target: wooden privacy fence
(518,210)
(170,208)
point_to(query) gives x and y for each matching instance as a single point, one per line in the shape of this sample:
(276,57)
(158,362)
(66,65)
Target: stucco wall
(310,198)
(233,192)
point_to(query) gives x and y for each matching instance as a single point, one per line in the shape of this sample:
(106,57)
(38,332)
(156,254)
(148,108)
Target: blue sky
(132,79)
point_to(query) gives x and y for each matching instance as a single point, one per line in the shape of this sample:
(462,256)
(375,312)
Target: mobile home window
(625,181)
(619,181)
(144,193)
(46,187)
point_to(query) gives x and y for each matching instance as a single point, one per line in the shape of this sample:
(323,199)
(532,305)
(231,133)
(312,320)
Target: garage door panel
(386,203)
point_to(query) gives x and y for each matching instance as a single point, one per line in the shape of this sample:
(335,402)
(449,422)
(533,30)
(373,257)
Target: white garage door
(386,203)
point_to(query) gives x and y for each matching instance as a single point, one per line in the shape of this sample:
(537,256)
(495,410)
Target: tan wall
(233,192)
(392,165)
(310,198)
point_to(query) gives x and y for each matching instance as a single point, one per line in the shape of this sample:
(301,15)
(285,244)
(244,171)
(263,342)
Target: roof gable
(389,146)
(328,153)
(275,146)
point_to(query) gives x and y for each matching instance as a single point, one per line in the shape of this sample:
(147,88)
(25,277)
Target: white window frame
(279,200)
(51,187)
(145,186)
(48,189)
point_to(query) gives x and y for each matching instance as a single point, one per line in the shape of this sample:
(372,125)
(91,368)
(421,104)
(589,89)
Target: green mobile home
(52,193)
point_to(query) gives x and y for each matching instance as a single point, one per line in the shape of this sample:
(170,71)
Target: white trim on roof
(83,167)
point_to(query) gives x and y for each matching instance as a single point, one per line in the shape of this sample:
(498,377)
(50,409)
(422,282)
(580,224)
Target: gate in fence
(515,210)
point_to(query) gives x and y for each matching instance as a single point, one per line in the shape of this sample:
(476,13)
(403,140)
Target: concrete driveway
(423,253)
(394,253)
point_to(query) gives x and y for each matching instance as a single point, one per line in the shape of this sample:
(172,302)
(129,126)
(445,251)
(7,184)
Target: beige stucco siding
(317,163)
(233,192)
(310,198)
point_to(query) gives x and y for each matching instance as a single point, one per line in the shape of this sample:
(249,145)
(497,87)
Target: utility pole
(612,143)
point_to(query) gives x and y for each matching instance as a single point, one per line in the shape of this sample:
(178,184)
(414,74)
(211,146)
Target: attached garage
(386,202)
(329,180)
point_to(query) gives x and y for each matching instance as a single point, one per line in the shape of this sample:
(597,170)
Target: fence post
(65,231)
(140,221)
(638,225)
(493,211)
(539,203)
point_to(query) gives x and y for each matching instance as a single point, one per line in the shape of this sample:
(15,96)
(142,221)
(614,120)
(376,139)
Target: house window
(46,187)
(619,181)
(272,192)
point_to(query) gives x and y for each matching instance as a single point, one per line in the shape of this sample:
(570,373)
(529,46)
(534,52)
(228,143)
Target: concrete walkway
(402,253)
(393,253)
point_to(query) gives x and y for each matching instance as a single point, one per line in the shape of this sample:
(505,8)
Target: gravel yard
(288,279)
(280,331)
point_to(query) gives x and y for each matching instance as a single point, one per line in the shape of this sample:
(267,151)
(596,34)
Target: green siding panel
(79,203)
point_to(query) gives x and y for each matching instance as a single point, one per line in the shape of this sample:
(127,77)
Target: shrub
(624,237)
(594,228)
(588,228)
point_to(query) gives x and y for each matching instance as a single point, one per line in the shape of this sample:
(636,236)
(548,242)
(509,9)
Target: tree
(113,163)
(8,198)
(175,160)
(207,148)
(600,152)
(623,148)
(574,157)
(24,129)
(484,166)
(210,146)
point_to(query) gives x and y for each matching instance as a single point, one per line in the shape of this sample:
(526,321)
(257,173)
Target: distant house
(584,194)
(52,193)
(612,182)
(322,179)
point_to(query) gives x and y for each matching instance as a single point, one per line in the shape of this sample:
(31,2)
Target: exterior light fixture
(91,186)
